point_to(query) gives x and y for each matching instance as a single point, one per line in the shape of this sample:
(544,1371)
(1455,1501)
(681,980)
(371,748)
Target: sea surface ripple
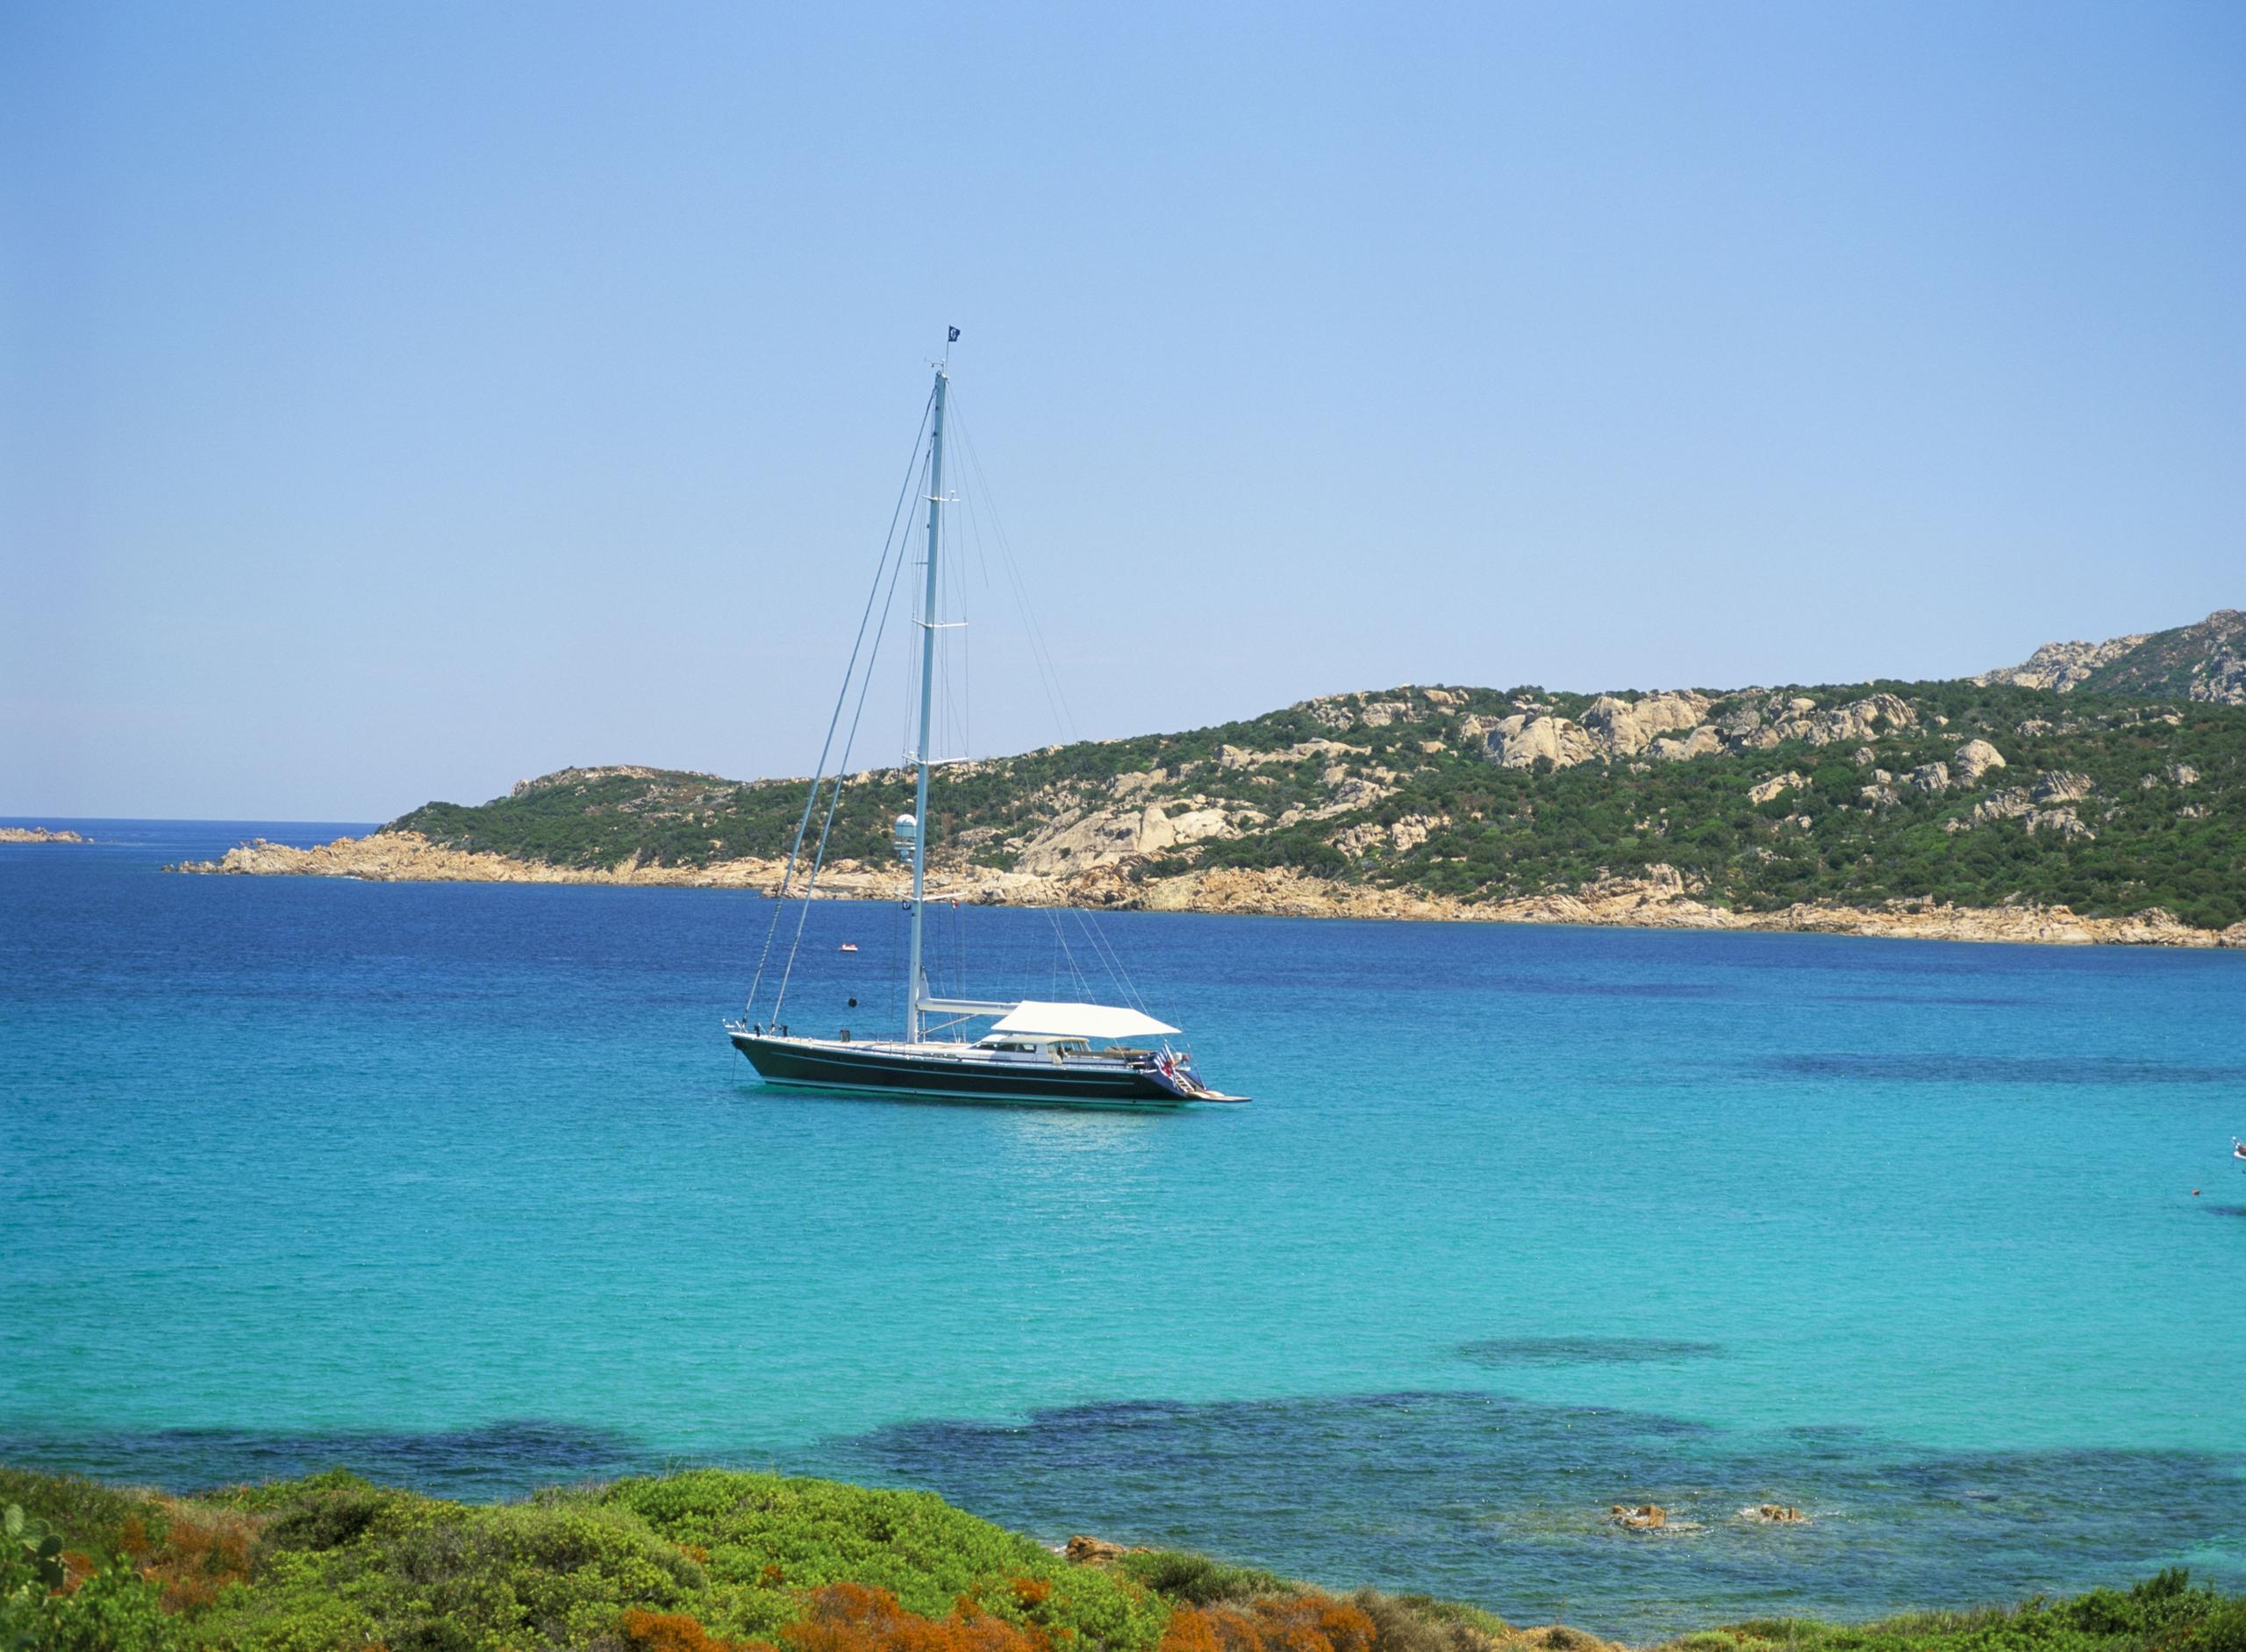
(460,1184)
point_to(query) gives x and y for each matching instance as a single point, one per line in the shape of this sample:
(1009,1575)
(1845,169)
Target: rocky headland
(2095,793)
(39,834)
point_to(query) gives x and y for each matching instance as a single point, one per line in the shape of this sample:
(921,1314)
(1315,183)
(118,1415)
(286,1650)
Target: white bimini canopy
(1079,1020)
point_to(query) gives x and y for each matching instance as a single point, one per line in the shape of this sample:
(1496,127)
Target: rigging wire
(834,798)
(1041,656)
(956,705)
(1106,951)
(889,541)
(1075,974)
(985,496)
(895,564)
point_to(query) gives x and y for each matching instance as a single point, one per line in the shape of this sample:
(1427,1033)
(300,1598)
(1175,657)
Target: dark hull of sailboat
(821,1064)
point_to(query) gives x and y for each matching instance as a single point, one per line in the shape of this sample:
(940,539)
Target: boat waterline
(952,1073)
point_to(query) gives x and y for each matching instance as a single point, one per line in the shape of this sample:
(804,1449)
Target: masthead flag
(955,337)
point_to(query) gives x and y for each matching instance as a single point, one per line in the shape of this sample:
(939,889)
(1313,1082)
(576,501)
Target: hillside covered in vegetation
(2066,781)
(710,1560)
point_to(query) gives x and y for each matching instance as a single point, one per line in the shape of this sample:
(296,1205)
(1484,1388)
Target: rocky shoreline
(1658,900)
(39,834)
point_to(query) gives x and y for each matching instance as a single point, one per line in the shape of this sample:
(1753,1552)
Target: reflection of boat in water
(1054,1054)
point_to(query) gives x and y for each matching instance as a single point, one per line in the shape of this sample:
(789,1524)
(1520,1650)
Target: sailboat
(1034,1052)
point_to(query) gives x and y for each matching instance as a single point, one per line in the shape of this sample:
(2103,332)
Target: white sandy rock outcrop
(1974,759)
(1381,714)
(1342,712)
(1518,741)
(2062,665)
(1623,728)
(1702,741)
(1656,899)
(1239,757)
(1404,835)
(1611,727)
(1111,835)
(2008,804)
(2060,786)
(1863,719)
(2059,822)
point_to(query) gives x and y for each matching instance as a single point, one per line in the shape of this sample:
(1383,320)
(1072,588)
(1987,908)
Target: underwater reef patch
(1508,1503)
(498,1460)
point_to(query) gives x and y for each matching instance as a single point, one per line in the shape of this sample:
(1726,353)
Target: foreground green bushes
(718,1562)
(334,1561)
(2163,1613)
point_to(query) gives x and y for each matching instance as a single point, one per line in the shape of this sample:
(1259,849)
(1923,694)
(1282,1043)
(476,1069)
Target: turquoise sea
(462,1186)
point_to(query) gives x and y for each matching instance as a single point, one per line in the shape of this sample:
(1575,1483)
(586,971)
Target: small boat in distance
(848,946)
(1067,1055)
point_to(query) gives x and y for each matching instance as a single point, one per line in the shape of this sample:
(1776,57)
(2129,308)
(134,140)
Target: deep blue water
(462,1186)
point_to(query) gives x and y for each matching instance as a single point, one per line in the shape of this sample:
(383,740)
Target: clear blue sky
(399,399)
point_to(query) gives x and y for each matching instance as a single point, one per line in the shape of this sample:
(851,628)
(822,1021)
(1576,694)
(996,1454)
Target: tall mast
(915,986)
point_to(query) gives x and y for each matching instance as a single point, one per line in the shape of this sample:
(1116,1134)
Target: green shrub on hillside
(1492,833)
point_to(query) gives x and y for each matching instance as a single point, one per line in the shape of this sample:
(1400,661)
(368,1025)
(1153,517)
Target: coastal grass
(715,1560)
